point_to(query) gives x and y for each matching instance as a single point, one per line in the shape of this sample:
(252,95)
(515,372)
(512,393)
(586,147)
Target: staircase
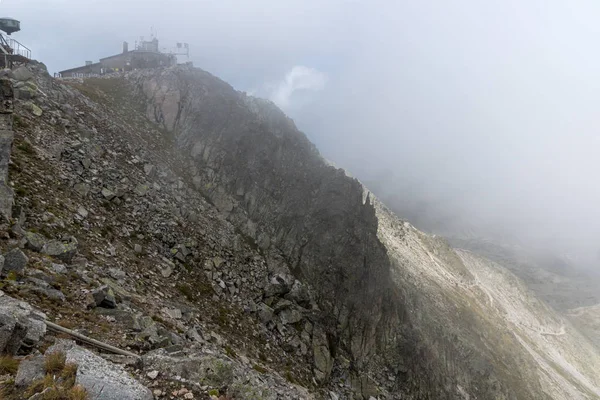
(12,52)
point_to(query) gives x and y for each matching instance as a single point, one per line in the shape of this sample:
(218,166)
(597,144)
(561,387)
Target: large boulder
(290,316)
(265,313)
(15,261)
(34,241)
(63,250)
(299,294)
(82,188)
(102,379)
(279,284)
(30,369)
(22,74)
(21,326)
(102,297)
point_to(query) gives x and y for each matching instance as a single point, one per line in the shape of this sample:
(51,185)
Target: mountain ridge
(277,125)
(220,216)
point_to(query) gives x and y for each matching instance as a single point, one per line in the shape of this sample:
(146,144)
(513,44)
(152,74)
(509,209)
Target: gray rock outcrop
(22,74)
(102,379)
(6,140)
(63,250)
(14,261)
(272,184)
(21,326)
(30,369)
(102,297)
(34,241)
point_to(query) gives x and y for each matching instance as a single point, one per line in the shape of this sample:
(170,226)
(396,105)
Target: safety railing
(10,46)
(19,48)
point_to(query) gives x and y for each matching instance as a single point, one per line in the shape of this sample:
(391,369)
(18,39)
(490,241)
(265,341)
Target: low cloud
(296,83)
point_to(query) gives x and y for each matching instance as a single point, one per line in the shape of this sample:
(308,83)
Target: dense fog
(472,119)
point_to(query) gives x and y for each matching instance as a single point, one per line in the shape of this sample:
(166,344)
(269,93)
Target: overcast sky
(489,108)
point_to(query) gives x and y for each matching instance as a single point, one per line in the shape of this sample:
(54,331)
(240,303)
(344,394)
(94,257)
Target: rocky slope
(239,166)
(165,213)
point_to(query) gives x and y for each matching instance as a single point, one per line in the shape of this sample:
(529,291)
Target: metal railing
(19,48)
(10,46)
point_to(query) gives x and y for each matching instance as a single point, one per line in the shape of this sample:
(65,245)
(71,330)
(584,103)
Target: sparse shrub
(12,276)
(39,385)
(160,320)
(230,352)
(69,373)
(289,377)
(19,122)
(20,191)
(259,369)
(186,290)
(223,317)
(8,365)
(60,282)
(60,386)
(106,231)
(78,392)
(67,323)
(26,147)
(262,356)
(213,392)
(204,289)
(55,362)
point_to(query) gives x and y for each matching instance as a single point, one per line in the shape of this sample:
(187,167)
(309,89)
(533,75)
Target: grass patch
(19,122)
(289,377)
(20,191)
(223,316)
(186,291)
(259,369)
(39,385)
(78,392)
(69,373)
(26,147)
(8,365)
(55,362)
(230,352)
(12,276)
(204,289)
(262,356)
(67,323)
(107,231)
(59,382)
(56,391)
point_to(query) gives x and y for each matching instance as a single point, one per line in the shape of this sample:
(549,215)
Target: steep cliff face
(308,217)
(398,308)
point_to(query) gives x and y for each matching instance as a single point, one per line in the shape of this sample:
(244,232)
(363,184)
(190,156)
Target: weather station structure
(146,54)
(12,52)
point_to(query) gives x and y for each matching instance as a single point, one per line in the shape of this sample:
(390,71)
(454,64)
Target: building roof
(134,52)
(116,55)
(80,68)
(83,67)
